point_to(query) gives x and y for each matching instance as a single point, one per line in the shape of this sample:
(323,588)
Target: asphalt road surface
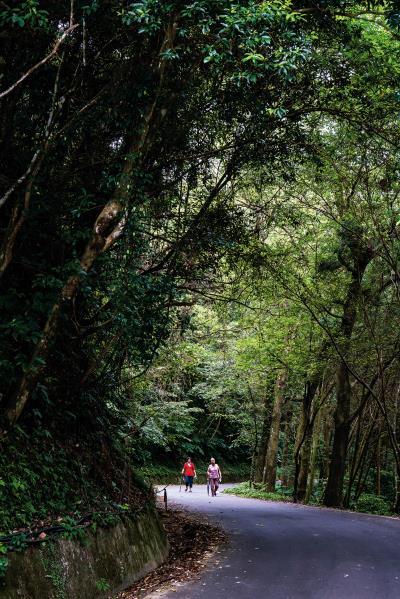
(286,551)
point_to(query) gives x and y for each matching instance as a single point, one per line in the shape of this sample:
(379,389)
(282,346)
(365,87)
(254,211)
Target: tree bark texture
(102,239)
(337,467)
(333,496)
(269,473)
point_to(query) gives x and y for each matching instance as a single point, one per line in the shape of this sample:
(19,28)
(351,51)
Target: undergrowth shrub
(256,491)
(46,478)
(372,504)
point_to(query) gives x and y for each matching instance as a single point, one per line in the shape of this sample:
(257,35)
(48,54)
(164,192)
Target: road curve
(286,551)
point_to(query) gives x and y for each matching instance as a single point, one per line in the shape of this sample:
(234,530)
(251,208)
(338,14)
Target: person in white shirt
(214,476)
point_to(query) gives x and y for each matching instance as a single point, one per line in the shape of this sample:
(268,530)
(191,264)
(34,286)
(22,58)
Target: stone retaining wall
(109,561)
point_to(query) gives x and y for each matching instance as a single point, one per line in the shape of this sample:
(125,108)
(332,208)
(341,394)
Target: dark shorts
(189,481)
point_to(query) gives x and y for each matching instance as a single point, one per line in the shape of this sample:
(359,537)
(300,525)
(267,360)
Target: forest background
(200,250)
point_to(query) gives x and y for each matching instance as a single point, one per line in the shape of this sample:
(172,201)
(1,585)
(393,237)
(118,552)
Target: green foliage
(43,485)
(255,492)
(105,520)
(24,494)
(72,532)
(367,503)
(372,504)
(28,13)
(19,542)
(102,585)
(209,126)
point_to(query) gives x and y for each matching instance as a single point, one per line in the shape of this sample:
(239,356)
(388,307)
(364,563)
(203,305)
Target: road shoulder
(193,541)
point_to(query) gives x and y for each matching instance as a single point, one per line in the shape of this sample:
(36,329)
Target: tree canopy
(199,246)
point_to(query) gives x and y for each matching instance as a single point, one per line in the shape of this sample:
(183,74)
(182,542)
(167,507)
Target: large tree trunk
(333,496)
(102,239)
(269,473)
(334,487)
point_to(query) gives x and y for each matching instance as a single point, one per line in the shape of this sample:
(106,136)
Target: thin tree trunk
(313,457)
(303,450)
(396,504)
(256,440)
(364,475)
(360,444)
(378,463)
(263,442)
(269,473)
(347,497)
(285,453)
(19,214)
(327,441)
(108,227)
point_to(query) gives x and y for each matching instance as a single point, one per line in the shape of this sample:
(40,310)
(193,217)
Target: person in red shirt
(189,472)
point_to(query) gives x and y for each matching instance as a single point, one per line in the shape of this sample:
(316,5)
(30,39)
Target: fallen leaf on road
(189,538)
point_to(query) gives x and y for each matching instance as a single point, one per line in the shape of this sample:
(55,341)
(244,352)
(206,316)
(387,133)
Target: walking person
(189,473)
(214,476)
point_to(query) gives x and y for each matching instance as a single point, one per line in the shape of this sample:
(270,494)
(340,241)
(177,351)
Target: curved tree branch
(41,62)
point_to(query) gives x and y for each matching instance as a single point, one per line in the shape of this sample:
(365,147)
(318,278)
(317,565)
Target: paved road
(285,551)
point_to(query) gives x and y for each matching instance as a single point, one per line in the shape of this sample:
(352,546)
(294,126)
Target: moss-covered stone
(111,560)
